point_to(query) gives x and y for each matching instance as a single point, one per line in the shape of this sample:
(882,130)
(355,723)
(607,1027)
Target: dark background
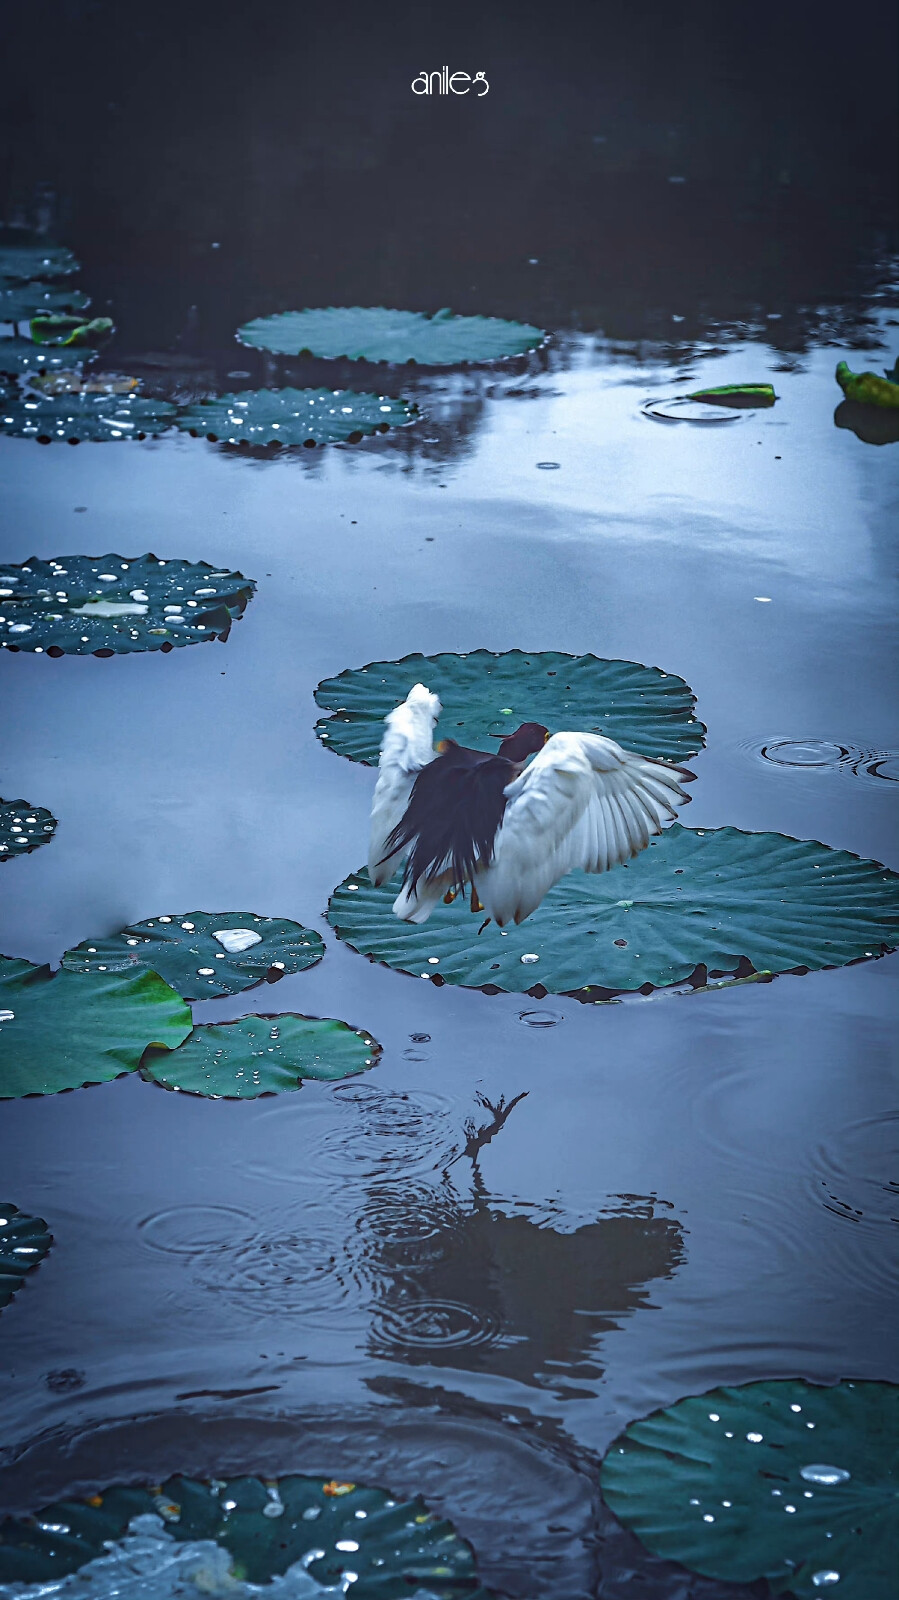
(288,136)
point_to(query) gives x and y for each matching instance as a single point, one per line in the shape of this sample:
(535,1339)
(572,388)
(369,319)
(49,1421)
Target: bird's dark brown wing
(454,811)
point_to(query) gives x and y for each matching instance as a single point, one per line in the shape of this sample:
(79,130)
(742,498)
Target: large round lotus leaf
(395,1548)
(24,263)
(261,1055)
(19,302)
(203,953)
(484,695)
(372,333)
(24,1241)
(295,416)
(102,605)
(782,1480)
(62,1031)
(23,828)
(714,898)
(84,417)
(24,356)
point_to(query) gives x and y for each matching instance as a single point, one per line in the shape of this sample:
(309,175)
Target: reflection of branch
(477,1137)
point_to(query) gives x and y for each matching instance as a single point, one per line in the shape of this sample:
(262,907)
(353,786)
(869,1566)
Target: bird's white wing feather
(583,802)
(407,746)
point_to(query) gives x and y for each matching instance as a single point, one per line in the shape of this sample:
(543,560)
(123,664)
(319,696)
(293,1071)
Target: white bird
(510,830)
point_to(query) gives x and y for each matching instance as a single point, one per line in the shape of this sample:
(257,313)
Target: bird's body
(508,829)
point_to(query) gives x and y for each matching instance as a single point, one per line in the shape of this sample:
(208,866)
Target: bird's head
(524,742)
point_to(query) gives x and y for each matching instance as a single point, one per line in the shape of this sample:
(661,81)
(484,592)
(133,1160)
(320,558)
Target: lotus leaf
(716,898)
(23,828)
(396,1548)
(19,302)
(85,416)
(24,263)
(23,356)
(867,387)
(261,1055)
(62,1030)
(739,395)
(485,695)
(203,953)
(66,382)
(784,1481)
(57,328)
(102,605)
(24,1241)
(373,333)
(295,416)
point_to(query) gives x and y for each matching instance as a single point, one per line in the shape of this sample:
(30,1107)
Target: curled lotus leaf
(868,388)
(86,416)
(61,329)
(374,333)
(61,1030)
(782,1481)
(19,302)
(24,263)
(295,416)
(104,605)
(23,828)
(203,954)
(741,396)
(261,1055)
(24,1241)
(717,899)
(485,695)
(22,357)
(396,1549)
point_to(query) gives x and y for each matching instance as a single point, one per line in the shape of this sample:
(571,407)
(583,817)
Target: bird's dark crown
(524,742)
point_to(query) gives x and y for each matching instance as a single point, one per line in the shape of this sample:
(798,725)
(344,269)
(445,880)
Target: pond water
(693,1189)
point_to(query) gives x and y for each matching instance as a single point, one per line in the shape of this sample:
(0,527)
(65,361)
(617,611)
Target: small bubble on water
(540,1019)
(549,466)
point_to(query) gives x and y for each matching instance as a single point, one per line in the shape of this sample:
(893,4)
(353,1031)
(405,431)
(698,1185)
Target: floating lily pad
(373,333)
(784,1481)
(19,302)
(24,263)
(261,1055)
(717,898)
(74,382)
(741,396)
(295,416)
(203,953)
(485,695)
(22,356)
(60,1030)
(86,415)
(102,605)
(23,828)
(395,1548)
(59,328)
(24,1241)
(868,387)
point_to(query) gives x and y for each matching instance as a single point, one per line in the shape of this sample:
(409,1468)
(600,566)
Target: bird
(506,826)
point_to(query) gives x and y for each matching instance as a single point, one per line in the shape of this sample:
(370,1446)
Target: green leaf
(61,1031)
(104,605)
(735,1485)
(19,302)
(867,387)
(295,416)
(84,417)
(715,898)
(23,828)
(484,694)
(22,356)
(396,1547)
(24,1241)
(24,263)
(65,330)
(739,395)
(373,333)
(203,954)
(261,1055)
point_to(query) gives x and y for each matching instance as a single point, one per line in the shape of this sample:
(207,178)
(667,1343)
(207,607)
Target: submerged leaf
(91,413)
(739,395)
(867,387)
(203,953)
(397,1549)
(261,1055)
(65,330)
(62,1031)
(783,1481)
(374,333)
(84,605)
(24,1241)
(485,695)
(19,302)
(295,416)
(23,356)
(23,828)
(23,263)
(716,898)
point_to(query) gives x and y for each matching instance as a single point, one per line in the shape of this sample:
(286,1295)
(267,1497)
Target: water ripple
(191,1230)
(825,755)
(432,1325)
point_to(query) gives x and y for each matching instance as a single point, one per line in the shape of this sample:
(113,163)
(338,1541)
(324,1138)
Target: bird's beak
(440,746)
(547,736)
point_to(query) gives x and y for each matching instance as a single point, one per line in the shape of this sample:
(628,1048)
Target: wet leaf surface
(84,416)
(23,263)
(203,954)
(23,828)
(374,333)
(261,1055)
(21,302)
(24,1241)
(295,416)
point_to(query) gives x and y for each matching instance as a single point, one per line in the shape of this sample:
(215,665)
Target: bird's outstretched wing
(583,802)
(407,746)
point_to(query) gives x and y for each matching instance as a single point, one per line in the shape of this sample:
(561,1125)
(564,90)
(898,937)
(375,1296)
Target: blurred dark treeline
(628,163)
